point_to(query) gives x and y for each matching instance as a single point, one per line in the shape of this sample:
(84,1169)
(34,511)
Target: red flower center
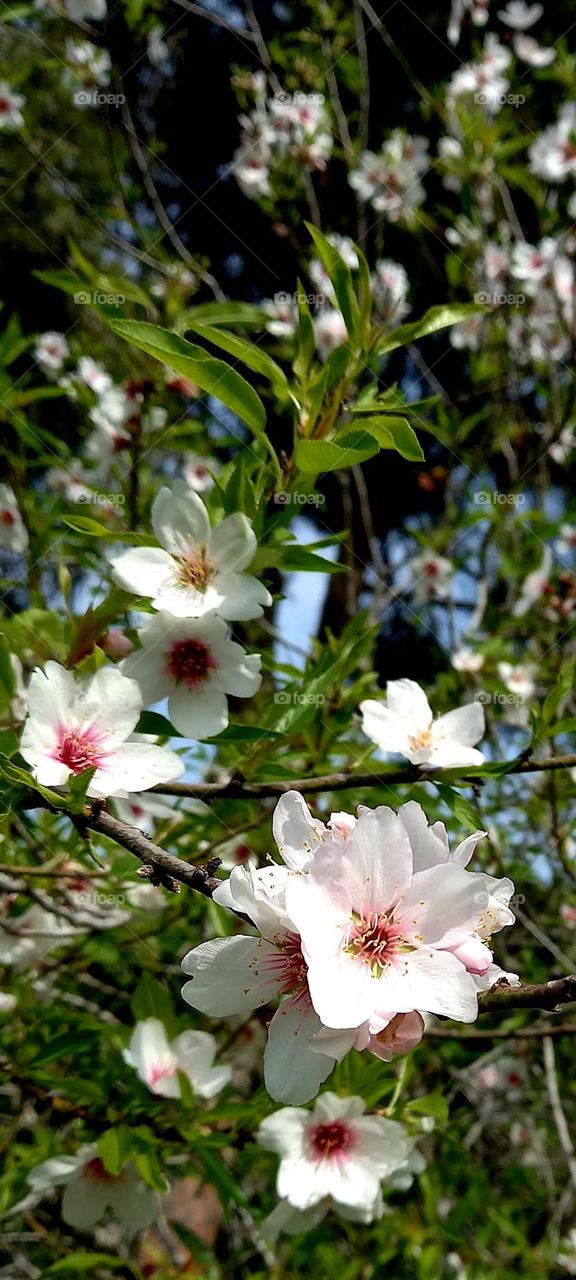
(5,106)
(331,1140)
(96,1172)
(190,661)
(8,518)
(80,749)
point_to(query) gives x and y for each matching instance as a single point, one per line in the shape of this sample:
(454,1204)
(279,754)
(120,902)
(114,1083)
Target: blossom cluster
(287,128)
(369,924)
(197,581)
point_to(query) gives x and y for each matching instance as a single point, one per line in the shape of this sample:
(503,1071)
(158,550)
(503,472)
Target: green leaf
(300,560)
(22,778)
(394,433)
(212,375)
(243,733)
(431,1104)
(340,278)
(153,722)
(227,312)
(115,1148)
(7,674)
(434,319)
(306,343)
(247,352)
(152,1000)
(459,806)
(316,456)
(80,1262)
(85,524)
(78,787)
(69,1044)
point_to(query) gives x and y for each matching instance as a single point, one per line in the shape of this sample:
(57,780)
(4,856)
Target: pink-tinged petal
(233,544)
(442,906)
(293,1072)
(376,862)
(179,517)
(428,848)
(142,570)
(402,1034)
(494,975)
(474,955)
(230,975)
(296,832)
(465,726)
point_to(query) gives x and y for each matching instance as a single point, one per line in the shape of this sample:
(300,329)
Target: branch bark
(238,789)
(542,995)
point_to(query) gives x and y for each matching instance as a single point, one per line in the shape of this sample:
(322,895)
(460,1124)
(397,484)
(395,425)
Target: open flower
(431,577)
(194,665)
(534,585)
(517,678)
(196,570)
(236,975)
(465,659)
(90,1191)
(392,924)
(10,107)
(51,351)
(404,724)
(334,1152)
(13,532)
(158,1061)
(75,725)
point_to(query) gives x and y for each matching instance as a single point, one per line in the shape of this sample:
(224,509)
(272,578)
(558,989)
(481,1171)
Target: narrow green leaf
(434,319)
(248,352)
(340,279)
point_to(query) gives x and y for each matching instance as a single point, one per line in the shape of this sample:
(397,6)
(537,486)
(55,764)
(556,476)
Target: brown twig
(541,995)
(238,789)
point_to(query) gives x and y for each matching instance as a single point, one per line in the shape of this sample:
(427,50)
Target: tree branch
(542,995)
(238,789)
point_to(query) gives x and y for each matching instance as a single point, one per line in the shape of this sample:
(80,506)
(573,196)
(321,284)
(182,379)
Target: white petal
(296,832)
(238,672)
(52,694)
(407,700)
(293,1072)
(112,702)
(227,976)
(233,544)
(148,669)
(198,714)
(428,848)
(195,1051)
(84,1202)
(132,1202)
(142,570)
(388,730)
(179,516)
(243,597)
(465,726)
(135,766)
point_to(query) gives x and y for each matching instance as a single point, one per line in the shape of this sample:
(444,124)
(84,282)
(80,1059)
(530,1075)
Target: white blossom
(405,725)
(157,1060)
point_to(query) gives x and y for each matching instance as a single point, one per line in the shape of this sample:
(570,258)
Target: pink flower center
(374,939)
(331,1141)
(80,748)
(159,1071)
(5,106)
(287,967)
(8,518)
(190,661)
